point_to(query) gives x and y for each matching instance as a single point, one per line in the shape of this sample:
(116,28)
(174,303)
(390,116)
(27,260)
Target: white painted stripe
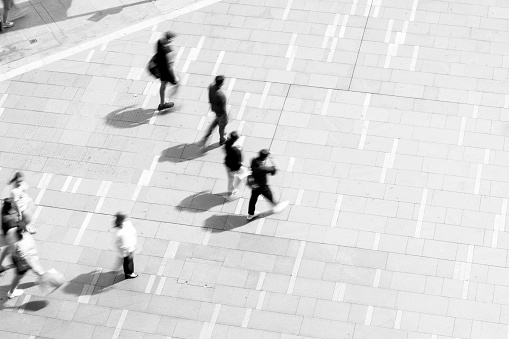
(478,179)
(1,111)
(422,208)
(332,49)
(364,134)
(148,88)
(218,63)
(90,55)
(144,105)
(394,149)
(43,185)
(170,253)
(325,106)
(290,46)
(376,241)
(87,291)
(470,254)
(231,84)
(201,123)
(259,284)
(397,323)
(240,129)
(343,26)
(414,9)
(296,267)
(76,185)
(3,99)
(150,283)
(243,106)
(185,78)
(238,209)
(153,118)
(464,293)
(213,320)
(503,214)
(337,210)
(26,299)
(66,183)
(104,45)
(389,31)
(204,329)
(475,111)
(120,324)
(299,197)
(496,227)
(155,36)
(354,7)
(369,315)
(368,8)
(456,273)
(160,286)
(151,170)
(104,193)
(206,239)
(384,168)
(291,163)
(259,227)
(434,336)
(378,275)
(154,28)
(136,192)
(264,94)
(292,58)
(337,289)
(240,142)
(43,182)
(287,10)
(462,131)
(36,214)
(365,106)
(261,298)
(247,315)
(193,54)
(341,292)
(403,32)
(414,58)
(178,57)
(389,55)
(378,3)
(83,227)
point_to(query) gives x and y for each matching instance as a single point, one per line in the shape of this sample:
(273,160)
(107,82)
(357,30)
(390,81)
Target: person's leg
(128,265)
(209,131)
(222,122)
(252,201)
(15,282)
(267,193)
(231,178)
(7,7)
(162,91)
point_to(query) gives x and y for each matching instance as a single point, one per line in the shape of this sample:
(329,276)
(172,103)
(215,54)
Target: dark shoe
(165,106)
(221,143)
(131,276)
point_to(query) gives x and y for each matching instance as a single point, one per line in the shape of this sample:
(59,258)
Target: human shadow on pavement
(129,117)
(105,281)
(186,152)
(227,222)
(202,201)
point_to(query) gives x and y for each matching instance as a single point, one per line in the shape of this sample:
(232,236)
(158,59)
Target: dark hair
(219,80)
(119,219)
(16,176)
(264,153)
(234,136)
(170,35)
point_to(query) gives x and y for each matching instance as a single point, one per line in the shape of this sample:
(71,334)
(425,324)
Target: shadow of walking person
(129,117)
(225,222)
(185,152)
(95,281)
(203,201)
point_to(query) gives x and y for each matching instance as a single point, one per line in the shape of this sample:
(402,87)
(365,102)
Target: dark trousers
(128,265)
(255,193)
(220,121)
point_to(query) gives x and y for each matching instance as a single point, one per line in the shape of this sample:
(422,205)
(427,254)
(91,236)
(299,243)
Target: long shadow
(129,117)
(202,201)
(105,281)
(226,222)
(185,152)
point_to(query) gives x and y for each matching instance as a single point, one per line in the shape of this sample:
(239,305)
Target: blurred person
(126,240)
(217,101)
(233,162)
(165,60)
(9,229)
(24,205)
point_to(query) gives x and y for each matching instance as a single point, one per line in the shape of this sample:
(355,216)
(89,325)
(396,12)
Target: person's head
(169,36)
(219,80)
(234,136)
(7,206)
(119,219)
(264,154)
(17,178)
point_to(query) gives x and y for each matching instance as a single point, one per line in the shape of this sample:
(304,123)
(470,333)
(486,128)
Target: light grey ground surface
(389,120)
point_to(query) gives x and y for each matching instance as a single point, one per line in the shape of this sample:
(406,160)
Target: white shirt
(126,239)
(21,197)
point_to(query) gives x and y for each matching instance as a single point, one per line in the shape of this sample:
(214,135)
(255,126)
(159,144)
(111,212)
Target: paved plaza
(389,119)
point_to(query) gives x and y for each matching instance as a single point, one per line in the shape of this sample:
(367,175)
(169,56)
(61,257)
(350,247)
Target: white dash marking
(354,7)
(259,227)
(76,185)
(231,84)
(104,45)
(397,323)
(259,284)
(287,9)
(414,58)
(462,130)
(503,214)
(261,298)
(151,281)
(154,37)
(178,57)
(376,241)
(364,134)
(389,55)
(337,210)
(120,324)
(344,23)
(206,239)
(420,217)
(243,106)
(66,184)
(296,267)
(238,209)
(414,9)
(264,94)
(378,3)
(384,168)
(369,315)
(201,123)
(83,227)
(368,8)
(291,59)
(478,179)
(365,106)
(2,100)
(90,55)
(325,107)
(26,299)
(247,315)
(394,149)
(389,31)
(291,163)
(300,195)
(43,185)
(378,275)
(240,129)
(218,63)
(160,286)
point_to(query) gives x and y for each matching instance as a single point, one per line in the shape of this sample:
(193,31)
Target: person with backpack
(259,186)
(233,163)
(164,61)
(217,101)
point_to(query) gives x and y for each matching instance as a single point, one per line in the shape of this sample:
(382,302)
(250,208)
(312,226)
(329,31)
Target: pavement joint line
(325,107)
(238,209)
(376,241)
(287,10)
(397,323)
(266,89)
(339,291)
(83,227)
(296,267)
(160,286)
(247,316)
(414,58)
(291,163)
(389,30)
(206,239)
(259,227)
(364,134)
(354,7)
(300,194)
(337,210)
(66,183)
(369,315)
(261,299)
(240,129)
(105,39)
(243,106)
(218,63)
(378,3)
(343,26)
(462,130)
(120,324)
(43,185)
(90,55)
(26,299)
(368,8)
(422,208)
(414,9)
(76,185)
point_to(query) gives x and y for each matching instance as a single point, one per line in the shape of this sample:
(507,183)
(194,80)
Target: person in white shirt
(23,203)
(125,241)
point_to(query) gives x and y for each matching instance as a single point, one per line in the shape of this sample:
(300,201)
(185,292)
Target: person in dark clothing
(260,187)
(10,222)
(233,163)
(217,101)
(164,60)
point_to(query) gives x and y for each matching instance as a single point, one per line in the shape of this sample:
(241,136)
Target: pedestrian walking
(217,101)
(9,229)
(233,162)
(23,203)
(164,59)
(259,186)
(125,241)
(5,15)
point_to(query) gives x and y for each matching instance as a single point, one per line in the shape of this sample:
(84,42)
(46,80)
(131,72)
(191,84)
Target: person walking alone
(164,61)
(259,186)
(233,163)
(126,240)
(217,101)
